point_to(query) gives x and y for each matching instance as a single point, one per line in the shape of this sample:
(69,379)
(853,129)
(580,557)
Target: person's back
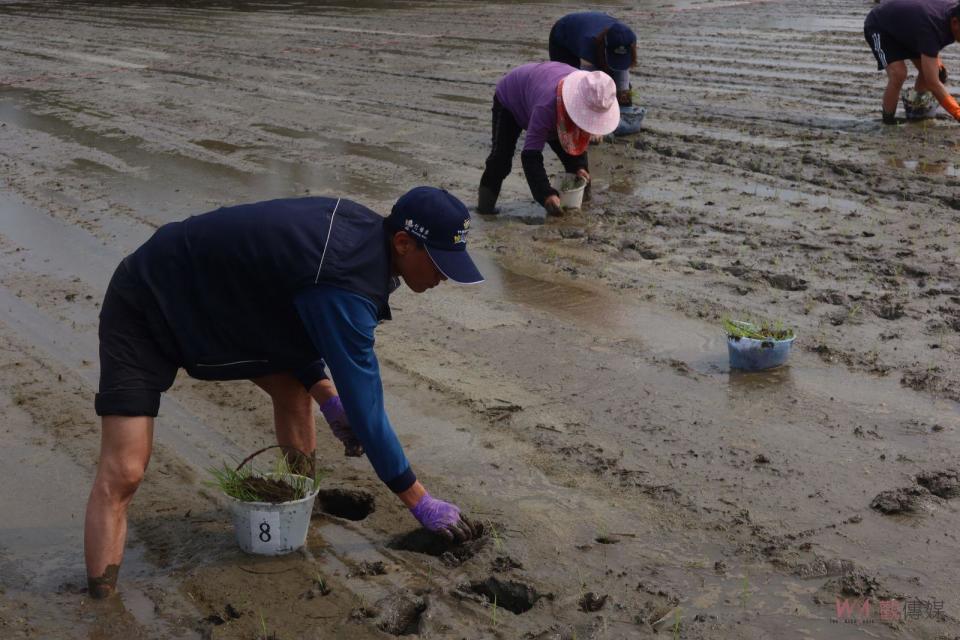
(224,281)
(921,25)
(529,92)
(578,31)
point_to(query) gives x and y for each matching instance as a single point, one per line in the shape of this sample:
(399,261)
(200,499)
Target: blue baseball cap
(441,222)
(618,41)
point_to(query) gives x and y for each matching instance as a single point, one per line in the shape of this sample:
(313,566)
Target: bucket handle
(276,446)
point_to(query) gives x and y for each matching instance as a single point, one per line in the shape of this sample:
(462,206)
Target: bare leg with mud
(896,76)
(125,447)
(293,418)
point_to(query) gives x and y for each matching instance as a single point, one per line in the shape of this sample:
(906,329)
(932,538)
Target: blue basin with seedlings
(755,347)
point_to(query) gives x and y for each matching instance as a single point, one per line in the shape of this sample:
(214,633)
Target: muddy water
(579,402)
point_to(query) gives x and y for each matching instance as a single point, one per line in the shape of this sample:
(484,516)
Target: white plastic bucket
(573,198)
(269,529)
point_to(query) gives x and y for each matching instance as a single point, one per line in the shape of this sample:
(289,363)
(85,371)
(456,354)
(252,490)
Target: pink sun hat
(590,98)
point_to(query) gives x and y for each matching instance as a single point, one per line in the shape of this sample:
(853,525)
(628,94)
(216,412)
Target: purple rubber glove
(332,411)
(442,518)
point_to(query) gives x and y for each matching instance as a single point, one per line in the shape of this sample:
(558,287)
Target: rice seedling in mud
(497,540)
(756,330)
(263,635)
(247,484)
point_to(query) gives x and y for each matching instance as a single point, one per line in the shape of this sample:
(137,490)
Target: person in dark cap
(593,40)
(274,292)
(915,30)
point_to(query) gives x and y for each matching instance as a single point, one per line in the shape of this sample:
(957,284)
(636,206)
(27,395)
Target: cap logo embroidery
(415,229)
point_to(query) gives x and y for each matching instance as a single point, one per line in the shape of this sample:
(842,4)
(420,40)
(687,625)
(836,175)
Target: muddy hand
(332,411)
(552,205)
(442,518)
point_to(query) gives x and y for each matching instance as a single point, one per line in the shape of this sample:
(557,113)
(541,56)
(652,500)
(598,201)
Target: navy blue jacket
(280,286)
(225,281)
(575,32)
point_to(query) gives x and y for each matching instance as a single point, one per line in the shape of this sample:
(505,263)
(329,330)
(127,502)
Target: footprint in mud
(515,597)
(451,553)
(351,504)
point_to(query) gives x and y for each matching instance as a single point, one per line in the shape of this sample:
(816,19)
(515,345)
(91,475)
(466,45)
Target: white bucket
(269,529)
(572,198)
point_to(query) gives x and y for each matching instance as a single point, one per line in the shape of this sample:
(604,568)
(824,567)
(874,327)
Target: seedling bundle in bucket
(918,106)
(754,346)
(571,189)
(271,510)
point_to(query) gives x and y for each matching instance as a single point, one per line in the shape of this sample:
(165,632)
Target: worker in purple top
(593,40)
(915,30)
(556,105)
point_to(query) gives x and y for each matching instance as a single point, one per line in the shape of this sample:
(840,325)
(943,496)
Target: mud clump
(503,564)
(591,602)
(399,613)
(890,310)
(945,484)
(786,282)
(515,597)
(905,500)
(824,568)
(318,589)
(451,554)
(365,568)
(852,585)
(931,381)
(349,504)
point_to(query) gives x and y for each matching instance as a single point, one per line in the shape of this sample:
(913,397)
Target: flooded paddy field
(579,403)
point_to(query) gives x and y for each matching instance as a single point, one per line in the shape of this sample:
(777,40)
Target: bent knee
(897,72)
(120,480)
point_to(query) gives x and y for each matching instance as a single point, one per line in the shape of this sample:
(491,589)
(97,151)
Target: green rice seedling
(249,485)
(495,622)
(676,624)
(497,540)
(263,627)
(756,330)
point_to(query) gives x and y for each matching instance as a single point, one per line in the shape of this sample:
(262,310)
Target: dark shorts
(886,48)
(135,365)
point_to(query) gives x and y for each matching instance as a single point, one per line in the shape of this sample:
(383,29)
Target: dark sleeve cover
(536,175)
(571,163)
(341,325)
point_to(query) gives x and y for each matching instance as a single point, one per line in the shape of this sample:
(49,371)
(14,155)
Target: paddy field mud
(579,402)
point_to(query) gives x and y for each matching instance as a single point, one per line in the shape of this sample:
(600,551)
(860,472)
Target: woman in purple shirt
(556,105)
